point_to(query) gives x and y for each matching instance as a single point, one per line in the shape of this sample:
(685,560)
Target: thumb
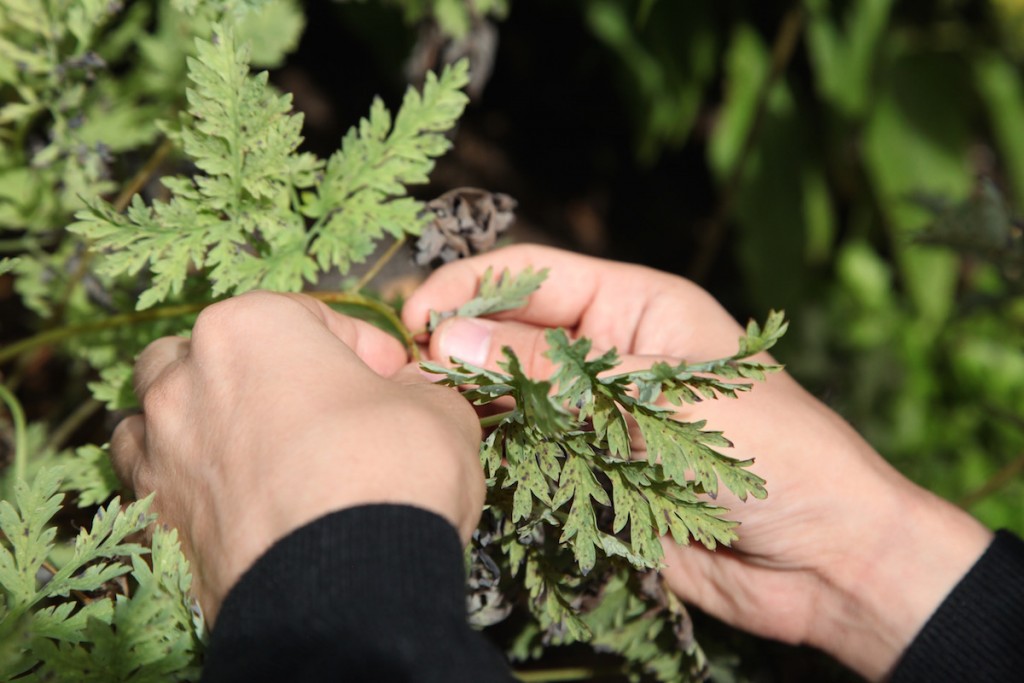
(480,343)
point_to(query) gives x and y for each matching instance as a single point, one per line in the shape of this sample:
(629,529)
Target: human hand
(278,411)
(844,554)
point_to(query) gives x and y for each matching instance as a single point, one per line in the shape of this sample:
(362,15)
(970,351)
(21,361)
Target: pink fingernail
(466,339)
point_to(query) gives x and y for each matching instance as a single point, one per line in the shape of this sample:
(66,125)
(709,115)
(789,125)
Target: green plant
(239,206)
(571,513)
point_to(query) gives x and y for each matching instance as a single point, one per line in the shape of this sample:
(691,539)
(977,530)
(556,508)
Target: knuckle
(230,319)
(143,480)
(125,447)
(167,394)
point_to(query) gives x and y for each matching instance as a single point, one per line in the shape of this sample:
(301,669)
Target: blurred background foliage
(783,154)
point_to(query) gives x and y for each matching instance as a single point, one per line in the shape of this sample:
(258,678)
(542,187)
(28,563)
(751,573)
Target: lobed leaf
(504,293)
(362,195)
(579,485)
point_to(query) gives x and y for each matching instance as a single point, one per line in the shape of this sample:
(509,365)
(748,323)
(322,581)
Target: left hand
(844,554)
(277,412)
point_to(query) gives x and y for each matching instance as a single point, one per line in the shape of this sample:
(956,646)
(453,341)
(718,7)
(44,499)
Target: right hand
(844,554)
(277,411)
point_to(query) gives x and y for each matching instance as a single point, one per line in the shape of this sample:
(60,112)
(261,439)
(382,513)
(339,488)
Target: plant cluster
(577,505)
(146,172)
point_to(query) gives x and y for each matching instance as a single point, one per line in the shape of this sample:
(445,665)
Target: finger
(383,353)
(411,374)
(722,583)
(572,280)
(616,304)
(283,320)
(154,360)
(480,342)
(127,448)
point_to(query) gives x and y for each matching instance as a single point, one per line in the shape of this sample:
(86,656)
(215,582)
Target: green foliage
(942,401)
(241,136)
(907,288)
(561,466)
(244,219)
(913,332)
(361,196)
(97,88)
(48,635)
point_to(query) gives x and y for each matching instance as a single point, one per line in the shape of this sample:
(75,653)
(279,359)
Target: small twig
(119,204)
(782,52)
(19,244)
(142,177)
(1001,478)
(1016,420)
(52,568)
(71,423)
(381,262)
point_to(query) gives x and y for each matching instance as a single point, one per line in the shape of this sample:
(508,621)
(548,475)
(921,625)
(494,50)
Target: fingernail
(466,339)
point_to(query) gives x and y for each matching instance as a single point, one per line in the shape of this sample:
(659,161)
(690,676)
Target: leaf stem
(1000,479)
(19,244)
(142,177)
(63,332)
(494,420)
(71,423)
(381,262)
(20,432)
(58,334)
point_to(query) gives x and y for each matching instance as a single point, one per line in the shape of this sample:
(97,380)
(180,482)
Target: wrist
(909,555)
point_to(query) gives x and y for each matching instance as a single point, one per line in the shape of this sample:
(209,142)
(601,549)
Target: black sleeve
(374,593)
(977,633)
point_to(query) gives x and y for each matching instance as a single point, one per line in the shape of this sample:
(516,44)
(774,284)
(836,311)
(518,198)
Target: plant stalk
(554,675)
(381,262)
(494,420)
(71,423)
(58,334)
(20,432)
(63,332)
(385,311)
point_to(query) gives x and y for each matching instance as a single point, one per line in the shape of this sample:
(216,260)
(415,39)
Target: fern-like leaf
(243,220)
(243,138)
(29,541)
(503,293)
(362,195)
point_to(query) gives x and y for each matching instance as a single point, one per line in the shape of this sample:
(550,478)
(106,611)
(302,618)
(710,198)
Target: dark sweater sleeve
(373,593)
(977,633)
